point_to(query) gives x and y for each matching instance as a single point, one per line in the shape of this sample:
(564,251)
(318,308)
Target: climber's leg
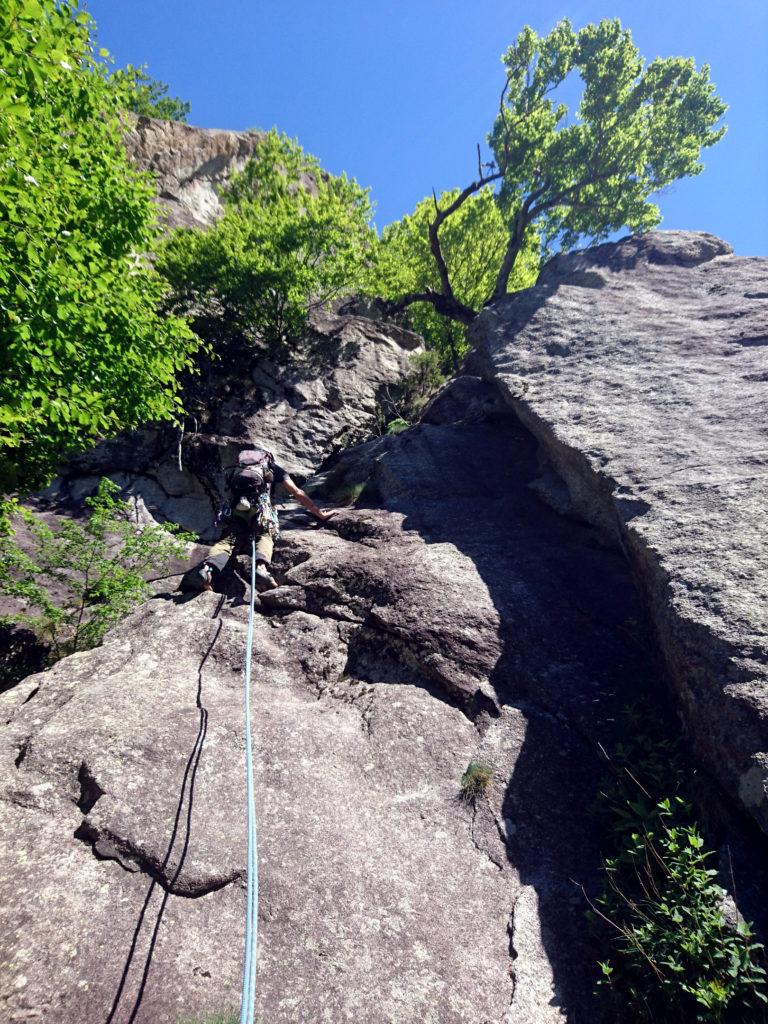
(265,545)
(200,577)
(221,552)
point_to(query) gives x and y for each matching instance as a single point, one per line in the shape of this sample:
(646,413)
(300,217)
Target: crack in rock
(477,846)
(19,759)
(512,958)
(107,846)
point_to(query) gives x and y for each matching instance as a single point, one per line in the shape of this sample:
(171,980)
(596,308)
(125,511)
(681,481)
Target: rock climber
(251,484)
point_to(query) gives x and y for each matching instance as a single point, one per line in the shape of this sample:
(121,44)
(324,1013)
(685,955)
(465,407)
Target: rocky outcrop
(189,165)
(461,621)
(451,617)
(326,399)
(641,369)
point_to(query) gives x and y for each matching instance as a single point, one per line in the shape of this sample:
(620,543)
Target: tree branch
(447,305)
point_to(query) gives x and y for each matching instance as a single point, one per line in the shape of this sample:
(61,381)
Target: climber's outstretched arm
(303,499)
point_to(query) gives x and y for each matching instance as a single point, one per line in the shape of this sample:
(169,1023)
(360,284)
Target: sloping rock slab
(641,367)
(472,625)
(124,818)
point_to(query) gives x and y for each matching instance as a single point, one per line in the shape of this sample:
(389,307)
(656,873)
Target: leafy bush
(475,781)
(292,238)
(98,566)
(676,958)
(397,426)
(84,350)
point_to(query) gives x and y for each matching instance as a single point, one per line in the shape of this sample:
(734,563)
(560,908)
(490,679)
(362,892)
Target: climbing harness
(252,897)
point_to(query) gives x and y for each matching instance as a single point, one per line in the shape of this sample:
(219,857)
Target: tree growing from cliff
(292,238)
(638,127)
(84,351)
(472,245)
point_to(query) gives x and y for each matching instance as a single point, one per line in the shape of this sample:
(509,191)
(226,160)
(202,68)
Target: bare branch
(447,305)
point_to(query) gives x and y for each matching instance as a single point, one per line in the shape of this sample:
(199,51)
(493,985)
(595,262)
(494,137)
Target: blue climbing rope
(252,897)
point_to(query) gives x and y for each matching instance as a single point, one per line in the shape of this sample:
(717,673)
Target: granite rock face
(453,617)
(460,621)
(641,367)
(189,165)
(326,399)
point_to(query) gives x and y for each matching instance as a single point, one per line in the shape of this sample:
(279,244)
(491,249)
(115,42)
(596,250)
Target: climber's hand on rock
(304,500)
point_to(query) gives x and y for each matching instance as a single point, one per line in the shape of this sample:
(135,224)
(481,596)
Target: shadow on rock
(573,652)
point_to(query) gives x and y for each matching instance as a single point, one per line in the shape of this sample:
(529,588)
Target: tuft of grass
(475,781)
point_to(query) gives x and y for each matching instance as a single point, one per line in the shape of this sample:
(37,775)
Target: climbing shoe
(197,579)
(263,580)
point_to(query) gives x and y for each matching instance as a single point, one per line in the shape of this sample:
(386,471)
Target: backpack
(252,476)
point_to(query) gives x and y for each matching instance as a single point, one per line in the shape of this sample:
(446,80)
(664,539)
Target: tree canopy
(84,351)
(637,128)
(472,244)
(292,237)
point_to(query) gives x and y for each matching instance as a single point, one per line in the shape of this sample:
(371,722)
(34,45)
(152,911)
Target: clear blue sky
(398,93)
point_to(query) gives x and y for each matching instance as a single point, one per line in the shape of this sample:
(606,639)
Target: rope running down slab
(252,897)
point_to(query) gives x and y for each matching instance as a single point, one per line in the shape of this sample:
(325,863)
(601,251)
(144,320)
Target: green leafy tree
(292,237)
(149,97)
(638,127)
(84,351)
(472,243)
(80,580)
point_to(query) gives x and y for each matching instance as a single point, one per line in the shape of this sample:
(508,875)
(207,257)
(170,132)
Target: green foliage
(675,956)
(555,179)
(401,404)
(84,577)
(84,352)
(475,781)
(292,238)
(638,127)
(472,240)
(397,426)
(148,97)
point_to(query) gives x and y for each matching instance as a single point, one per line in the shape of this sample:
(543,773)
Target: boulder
(640,367)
